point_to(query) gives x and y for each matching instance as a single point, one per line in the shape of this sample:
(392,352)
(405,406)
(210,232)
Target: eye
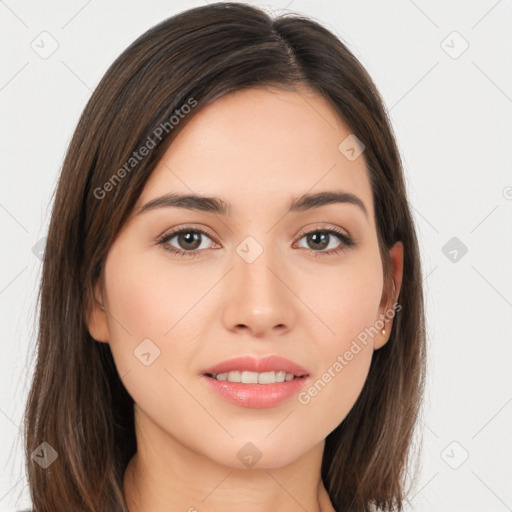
(323,239)
(189,241)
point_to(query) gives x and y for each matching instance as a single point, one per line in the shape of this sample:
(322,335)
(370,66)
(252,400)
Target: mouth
(248,377)
(253,370)
(256,382)
(244,391)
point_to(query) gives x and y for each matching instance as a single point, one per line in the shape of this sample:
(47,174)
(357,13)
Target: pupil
(189,239)
(314,236)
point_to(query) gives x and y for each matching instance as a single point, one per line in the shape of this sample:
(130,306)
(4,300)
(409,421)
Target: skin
(257,150)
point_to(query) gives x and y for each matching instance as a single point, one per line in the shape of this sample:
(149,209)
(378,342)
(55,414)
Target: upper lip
(251,364)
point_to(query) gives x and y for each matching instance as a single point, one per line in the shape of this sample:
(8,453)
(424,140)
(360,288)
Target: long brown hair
(77,402)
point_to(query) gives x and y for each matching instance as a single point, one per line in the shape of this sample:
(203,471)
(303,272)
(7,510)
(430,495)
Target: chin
(259,453)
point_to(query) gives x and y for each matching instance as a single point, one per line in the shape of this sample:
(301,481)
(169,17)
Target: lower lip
(256,396)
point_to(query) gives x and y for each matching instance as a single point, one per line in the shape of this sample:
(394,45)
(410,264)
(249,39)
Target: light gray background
(452,115)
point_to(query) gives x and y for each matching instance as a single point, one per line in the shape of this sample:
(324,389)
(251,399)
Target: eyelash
(346,241)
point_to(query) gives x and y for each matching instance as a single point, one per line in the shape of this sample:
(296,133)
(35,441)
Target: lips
(251,364)
(252,395)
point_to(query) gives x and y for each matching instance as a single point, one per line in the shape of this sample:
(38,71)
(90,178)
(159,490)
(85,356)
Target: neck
(165,475)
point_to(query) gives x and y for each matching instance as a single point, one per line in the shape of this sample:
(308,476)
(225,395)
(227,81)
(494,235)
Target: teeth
(249,377)
(234,376)
(281,375)
(246,377)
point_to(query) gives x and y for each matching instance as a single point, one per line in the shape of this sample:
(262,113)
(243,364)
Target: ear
(96,318)
(390,295)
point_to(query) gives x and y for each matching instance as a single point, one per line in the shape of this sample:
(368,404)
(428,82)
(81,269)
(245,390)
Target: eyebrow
(218,206)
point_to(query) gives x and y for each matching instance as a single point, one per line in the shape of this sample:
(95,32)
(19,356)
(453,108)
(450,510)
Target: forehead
(261,146)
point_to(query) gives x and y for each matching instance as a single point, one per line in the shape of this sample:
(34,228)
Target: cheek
(149,297)
(136,304)
(347,301)
(343,300)
(155,318)
(150,311)
(342,367)
(332,393)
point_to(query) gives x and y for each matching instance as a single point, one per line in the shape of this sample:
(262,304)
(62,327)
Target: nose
(260,298)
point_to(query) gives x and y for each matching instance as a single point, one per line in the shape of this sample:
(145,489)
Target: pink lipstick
(256,383)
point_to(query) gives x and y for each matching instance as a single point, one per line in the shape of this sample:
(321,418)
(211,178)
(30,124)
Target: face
(185,289)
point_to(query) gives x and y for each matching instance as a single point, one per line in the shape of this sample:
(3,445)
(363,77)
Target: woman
(231,309)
